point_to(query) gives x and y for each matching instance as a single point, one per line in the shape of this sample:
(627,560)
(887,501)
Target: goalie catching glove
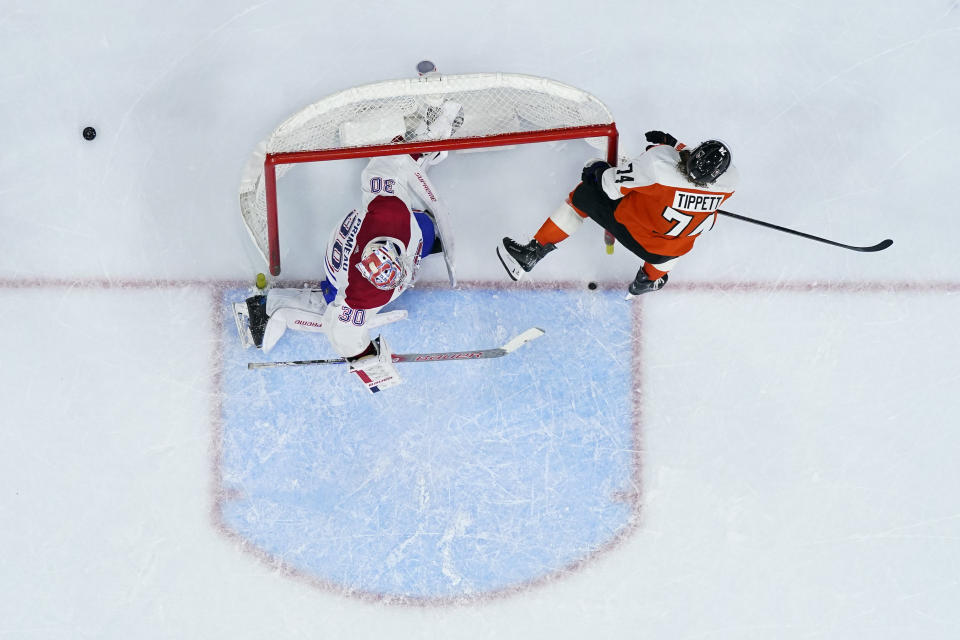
(374,366)
(439,122)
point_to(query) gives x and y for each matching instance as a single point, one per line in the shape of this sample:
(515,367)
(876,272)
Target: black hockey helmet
(708,161)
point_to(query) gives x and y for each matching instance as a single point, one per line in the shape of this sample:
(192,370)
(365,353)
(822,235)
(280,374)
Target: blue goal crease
(470,477)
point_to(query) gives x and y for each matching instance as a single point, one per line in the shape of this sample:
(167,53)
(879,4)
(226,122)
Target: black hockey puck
(425,66)
(591,285)
(89,133)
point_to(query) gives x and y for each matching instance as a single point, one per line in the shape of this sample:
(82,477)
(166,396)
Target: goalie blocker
(374,367)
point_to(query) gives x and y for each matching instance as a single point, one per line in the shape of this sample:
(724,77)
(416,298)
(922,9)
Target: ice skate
(251,319)
(257,313)
(519,259)
(643,284)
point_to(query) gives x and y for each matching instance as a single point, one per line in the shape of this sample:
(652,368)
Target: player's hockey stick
(476,354)
(880,246)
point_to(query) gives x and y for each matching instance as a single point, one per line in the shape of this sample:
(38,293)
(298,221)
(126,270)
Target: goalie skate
(242,318)
(251,319)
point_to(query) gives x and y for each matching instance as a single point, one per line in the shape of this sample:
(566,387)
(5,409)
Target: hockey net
(378,119)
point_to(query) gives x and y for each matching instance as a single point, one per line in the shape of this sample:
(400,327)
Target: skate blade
(514,270)
(242,317)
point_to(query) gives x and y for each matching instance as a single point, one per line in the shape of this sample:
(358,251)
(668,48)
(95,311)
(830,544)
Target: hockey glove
(374,366)
(592,173)
(430,158)
(440,121)
(659,137)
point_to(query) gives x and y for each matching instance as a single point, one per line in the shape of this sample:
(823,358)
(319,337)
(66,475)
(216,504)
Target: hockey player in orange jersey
(655,205)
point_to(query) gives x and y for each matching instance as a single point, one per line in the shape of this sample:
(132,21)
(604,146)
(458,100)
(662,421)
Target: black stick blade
(880,246)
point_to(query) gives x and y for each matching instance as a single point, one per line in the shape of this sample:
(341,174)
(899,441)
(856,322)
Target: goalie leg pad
(304,299)
(448,120)
(300,309)
(439,121)
(376,371)
(290,318)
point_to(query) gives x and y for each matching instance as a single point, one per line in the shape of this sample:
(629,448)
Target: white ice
(800,436)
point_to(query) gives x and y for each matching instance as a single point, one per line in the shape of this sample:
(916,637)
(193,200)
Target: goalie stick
(880,246)
(476,354)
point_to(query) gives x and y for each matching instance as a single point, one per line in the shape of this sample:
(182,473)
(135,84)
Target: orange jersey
(660,207)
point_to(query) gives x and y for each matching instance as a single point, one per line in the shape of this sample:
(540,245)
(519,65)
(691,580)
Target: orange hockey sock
(550,233)
(652,272)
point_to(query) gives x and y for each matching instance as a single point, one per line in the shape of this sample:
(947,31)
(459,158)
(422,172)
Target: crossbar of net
(495,105)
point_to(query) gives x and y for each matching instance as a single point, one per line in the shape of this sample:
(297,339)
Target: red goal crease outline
(217,288)
(631,498)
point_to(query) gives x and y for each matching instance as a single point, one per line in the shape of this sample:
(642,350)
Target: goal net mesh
(390,112)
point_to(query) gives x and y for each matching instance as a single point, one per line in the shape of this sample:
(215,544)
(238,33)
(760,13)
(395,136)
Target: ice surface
(489,475)
(791,432)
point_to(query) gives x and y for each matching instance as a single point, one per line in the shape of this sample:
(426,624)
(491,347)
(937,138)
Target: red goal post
(499,109)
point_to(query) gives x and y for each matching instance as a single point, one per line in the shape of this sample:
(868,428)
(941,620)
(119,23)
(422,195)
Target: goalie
(372,257)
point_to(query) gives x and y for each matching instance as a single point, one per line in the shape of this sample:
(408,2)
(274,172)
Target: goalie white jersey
(395,190)
(372,256)
(353,299)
